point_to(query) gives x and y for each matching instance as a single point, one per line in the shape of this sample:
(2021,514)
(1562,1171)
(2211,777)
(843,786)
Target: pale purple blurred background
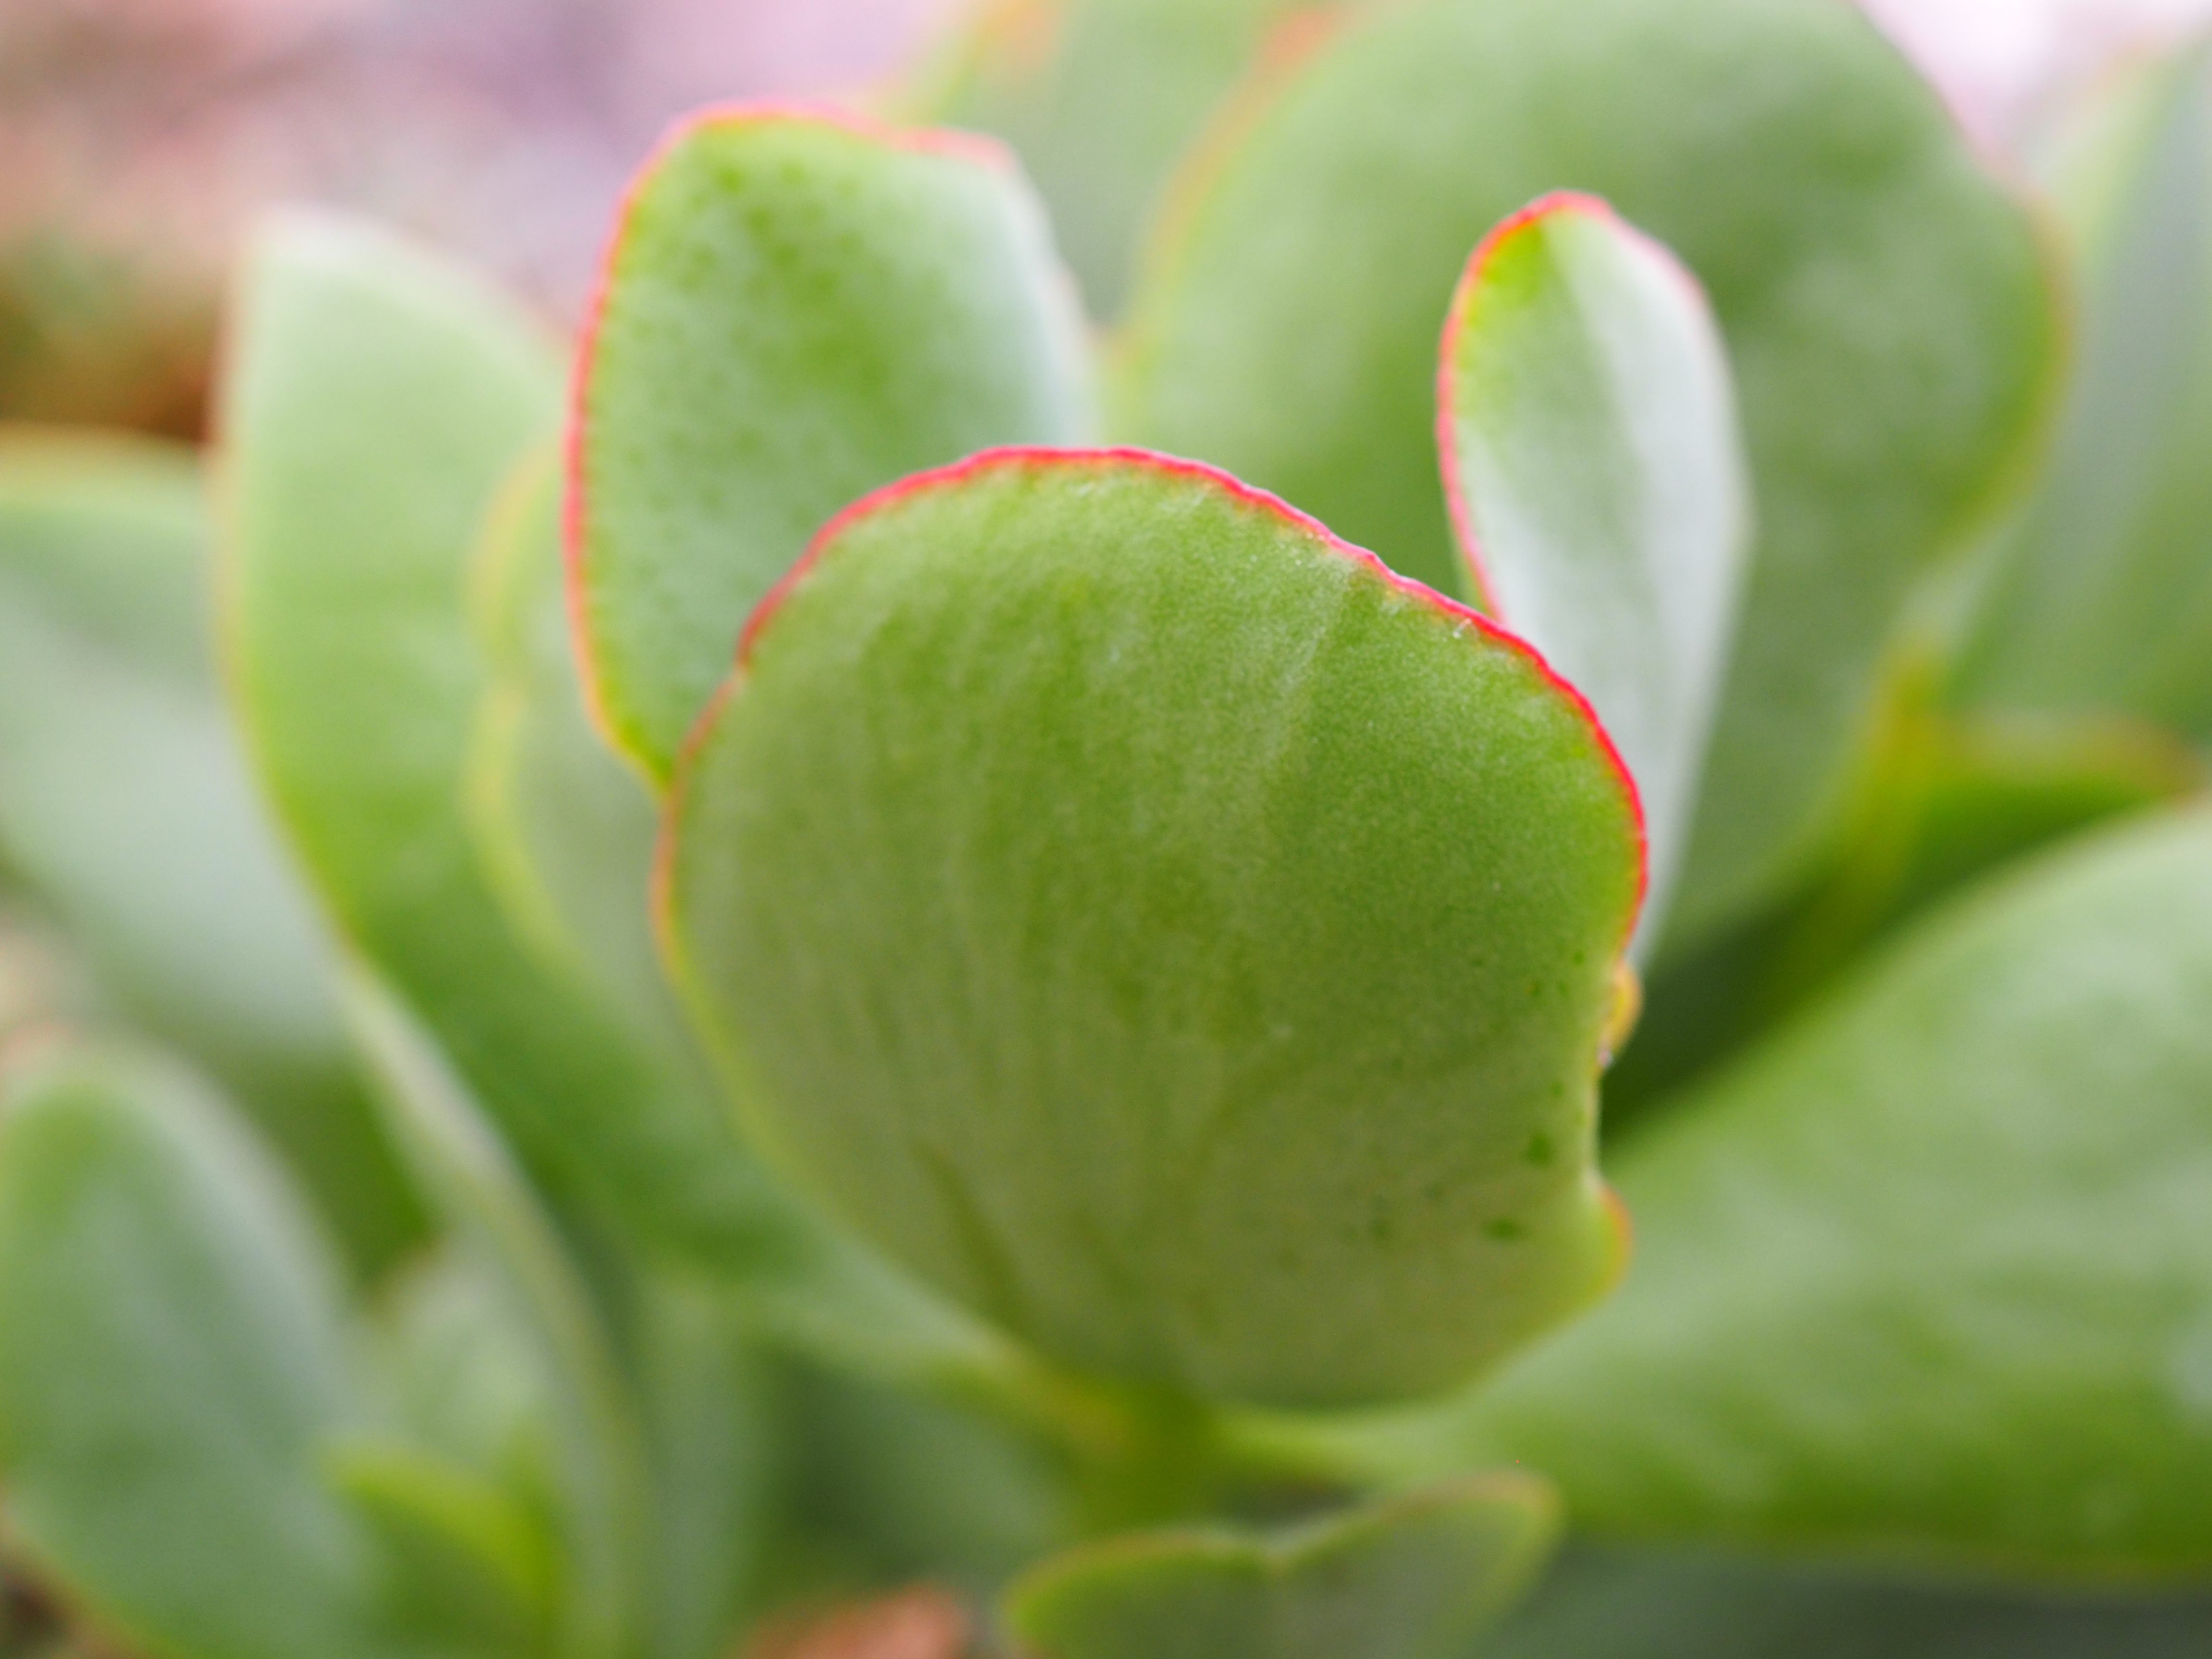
(136,136)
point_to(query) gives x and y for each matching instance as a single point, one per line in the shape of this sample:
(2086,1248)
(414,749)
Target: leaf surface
(1094,865)
(126,807)
(1886,307)
(2102,600)
(1598,486)
(376,398)
(173,1357)
(798,308)
(1929,1274)
(1415,1577)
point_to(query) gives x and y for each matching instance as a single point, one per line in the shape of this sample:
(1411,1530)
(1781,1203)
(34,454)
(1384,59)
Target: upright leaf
(1886,307)
(1417,1577)
(1164,930)
(375,399)
(1597,484)
(1930,1274)
(2102,599)
(796,308)
(173,1359)
(126,807)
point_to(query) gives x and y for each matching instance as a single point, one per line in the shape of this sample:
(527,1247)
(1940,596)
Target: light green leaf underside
(2102,599)
(796,311)
(1931,1271)
(1095,868)
(1600,487)
(1650,1605)
(376,399)
(172,1360)
(126,807)
(1887,308)
(1100,99)
(1417,1577)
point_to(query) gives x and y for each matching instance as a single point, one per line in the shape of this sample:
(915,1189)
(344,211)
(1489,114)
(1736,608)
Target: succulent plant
(985,950)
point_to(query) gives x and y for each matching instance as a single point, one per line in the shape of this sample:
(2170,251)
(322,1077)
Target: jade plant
(899,957)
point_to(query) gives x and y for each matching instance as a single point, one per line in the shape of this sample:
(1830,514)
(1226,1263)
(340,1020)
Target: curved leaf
(1598,486)
(376,398)
(1100,98)
(126,806)
(1930,1274)
(2102,600)
(1094,865)
(1416,1577)
(1886,307)
(798,307)
(173,1359)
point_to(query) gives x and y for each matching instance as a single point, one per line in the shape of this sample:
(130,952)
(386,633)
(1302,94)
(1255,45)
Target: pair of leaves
(687,504)
(125,806)
(1856,255)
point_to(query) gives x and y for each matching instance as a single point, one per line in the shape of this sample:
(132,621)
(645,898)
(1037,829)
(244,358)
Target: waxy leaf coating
(1164,929)
(1886,307)
(798,308)
(1597,484)
(1415,1577)
(1930,1273)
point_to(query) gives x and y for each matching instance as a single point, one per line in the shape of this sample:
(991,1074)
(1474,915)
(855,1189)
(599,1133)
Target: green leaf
(599,1452)
(564,828)
(1100,99)
(1928,1274)
(479,1569)
(1598,485)
(173,1359)
(1417,1577)
(1680,1605)
(126,807)
(1164,930)
(2102,599)
(797,309)
(376,400)
(1886,307)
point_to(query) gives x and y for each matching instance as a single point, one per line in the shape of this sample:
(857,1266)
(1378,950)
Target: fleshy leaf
(1886,307)
(1416,1577)
(1100,99)
(1684,1605)
(1093,864)
(172,1359)
(564,828)
(798,308)
(376,400)
(1598,486)
(600,1454)
(2102,599)
(1930,1273)
(126,807)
